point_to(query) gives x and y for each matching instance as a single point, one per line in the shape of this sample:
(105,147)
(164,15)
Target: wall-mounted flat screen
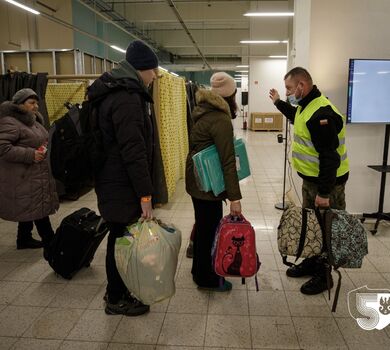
(369,91)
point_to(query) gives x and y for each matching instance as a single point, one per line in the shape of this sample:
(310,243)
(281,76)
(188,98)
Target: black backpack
(76,147)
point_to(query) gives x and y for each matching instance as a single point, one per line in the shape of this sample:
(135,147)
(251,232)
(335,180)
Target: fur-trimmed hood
(9,109)
(207,101)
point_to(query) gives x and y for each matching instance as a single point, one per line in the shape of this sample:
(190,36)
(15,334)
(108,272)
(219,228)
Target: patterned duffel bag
(299,233)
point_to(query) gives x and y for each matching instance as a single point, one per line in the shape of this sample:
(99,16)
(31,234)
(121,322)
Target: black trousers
(115,286)
(43,226)
(208,214)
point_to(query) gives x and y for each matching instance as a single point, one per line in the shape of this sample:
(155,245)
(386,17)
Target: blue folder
(208,169)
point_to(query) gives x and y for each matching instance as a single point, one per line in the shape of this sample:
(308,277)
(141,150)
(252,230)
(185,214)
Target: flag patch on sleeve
(324,122)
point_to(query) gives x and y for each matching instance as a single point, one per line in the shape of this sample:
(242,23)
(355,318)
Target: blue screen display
(368,91)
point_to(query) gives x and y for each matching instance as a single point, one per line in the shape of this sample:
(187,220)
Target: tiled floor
(39,310)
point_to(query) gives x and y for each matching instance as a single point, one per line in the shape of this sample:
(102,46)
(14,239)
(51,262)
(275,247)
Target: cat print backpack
(234,249)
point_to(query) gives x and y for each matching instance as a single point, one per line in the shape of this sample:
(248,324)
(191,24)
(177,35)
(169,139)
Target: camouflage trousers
(310,190)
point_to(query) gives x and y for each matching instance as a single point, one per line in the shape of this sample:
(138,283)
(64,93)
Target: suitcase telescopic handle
(100,223)
(87,214)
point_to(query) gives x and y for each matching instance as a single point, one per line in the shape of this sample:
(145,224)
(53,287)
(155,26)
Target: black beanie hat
(141,56)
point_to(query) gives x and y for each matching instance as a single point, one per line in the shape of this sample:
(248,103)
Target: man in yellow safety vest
(319,155)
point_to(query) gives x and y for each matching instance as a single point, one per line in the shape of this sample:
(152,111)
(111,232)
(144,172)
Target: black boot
(29,243)
(307,267)
(24,238)
(318,283)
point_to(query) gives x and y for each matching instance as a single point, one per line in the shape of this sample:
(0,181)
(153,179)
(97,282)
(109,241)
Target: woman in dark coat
(27,188)
(212,126)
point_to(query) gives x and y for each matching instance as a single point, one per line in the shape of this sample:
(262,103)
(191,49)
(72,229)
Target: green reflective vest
(304,156)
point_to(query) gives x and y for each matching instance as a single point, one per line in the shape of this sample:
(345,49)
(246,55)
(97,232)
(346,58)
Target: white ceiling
(216,27)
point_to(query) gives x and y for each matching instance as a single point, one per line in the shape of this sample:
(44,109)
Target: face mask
(294,100)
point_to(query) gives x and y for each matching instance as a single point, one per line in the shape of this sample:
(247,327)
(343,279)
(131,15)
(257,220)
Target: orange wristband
(146,199)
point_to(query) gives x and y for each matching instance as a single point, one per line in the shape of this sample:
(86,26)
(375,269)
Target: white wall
(340,30)
(269,74)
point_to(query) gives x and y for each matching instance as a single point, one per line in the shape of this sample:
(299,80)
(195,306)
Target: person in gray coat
(27,188)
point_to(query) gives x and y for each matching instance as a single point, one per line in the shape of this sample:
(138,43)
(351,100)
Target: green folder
(208,169)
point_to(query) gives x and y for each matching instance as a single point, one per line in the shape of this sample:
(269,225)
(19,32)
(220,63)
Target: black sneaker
(127,308)
(316,285)
(307,267)
(30,243)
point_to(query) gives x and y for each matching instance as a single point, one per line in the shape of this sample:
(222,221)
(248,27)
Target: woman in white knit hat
(212,126)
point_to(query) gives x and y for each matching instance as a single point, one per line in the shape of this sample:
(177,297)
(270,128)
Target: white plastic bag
(146,260)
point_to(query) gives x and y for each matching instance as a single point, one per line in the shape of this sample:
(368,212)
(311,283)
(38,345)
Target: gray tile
(268,280)
(9,291)
(232,331)
(116,346)
(13,255)
(318,332)
(6,267)
(7,342)
(75,296)
(381,263)
(183,329)
(14,320)
(268,262)
(189,301)
(307,305)
(377,248)
(94,325)
(342,303)
(54,323)
(90,275)
(172,347)
(386,276)
(292,284)
(161,306)
(273,332)
(184,279)
(264,248)
(37,344)
(97,302)
(268,303)
(356,336)
(373,280)
(38,294)
(78,345)
(27,272)
(231,303)
(49,276)
(144,329)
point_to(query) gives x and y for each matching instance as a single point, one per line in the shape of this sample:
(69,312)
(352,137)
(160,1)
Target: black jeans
(115,286)
(208,214)
(43,226)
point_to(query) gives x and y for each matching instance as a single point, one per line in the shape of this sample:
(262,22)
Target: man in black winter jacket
(124,184)
(318,154)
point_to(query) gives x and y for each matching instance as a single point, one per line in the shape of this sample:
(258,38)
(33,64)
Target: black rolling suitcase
(76,241)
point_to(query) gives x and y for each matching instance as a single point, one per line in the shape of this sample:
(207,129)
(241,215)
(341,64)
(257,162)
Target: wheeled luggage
(76,241)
